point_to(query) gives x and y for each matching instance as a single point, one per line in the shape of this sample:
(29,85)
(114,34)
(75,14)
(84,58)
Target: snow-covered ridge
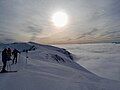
(45,53)
(20,46)
(50,68)
(30,46)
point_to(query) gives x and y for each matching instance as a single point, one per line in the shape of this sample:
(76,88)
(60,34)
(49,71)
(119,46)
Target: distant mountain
(116,42)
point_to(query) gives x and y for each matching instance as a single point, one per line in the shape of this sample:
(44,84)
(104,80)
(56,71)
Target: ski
(8,72)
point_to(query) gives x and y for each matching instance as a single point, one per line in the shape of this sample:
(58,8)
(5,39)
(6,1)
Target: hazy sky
(88,21)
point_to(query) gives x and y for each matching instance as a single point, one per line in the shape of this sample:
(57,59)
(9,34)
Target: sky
(88,21)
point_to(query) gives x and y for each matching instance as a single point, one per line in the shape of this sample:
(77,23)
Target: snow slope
(52,68)
(102,59)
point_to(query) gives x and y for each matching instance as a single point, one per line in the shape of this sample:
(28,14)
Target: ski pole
(26,56)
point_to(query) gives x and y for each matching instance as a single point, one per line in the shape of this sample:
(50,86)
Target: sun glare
(60,19)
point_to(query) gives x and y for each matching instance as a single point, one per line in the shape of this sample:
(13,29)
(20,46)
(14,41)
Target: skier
(4,59)
(9,53)
(15,55)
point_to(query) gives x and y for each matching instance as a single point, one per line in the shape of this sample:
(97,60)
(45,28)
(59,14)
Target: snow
(51,68)
(102,59)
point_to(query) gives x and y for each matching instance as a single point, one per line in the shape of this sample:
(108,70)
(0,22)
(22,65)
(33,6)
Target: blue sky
(89,21)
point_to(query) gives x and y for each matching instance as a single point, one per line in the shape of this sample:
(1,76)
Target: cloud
(90,33)
(34,30)
(7,40)
(1,35)
(87,19)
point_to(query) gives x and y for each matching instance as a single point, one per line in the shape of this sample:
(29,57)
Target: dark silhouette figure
(9,53)
(4,59)
(15,56)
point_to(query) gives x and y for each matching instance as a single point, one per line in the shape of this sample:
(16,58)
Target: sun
(60,19)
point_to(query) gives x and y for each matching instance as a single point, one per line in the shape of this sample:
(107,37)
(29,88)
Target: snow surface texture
(102,59)
(50,68)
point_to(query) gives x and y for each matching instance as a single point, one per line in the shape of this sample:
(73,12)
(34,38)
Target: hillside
(50,68)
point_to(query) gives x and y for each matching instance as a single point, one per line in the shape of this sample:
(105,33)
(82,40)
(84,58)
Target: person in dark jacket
(15,56)
(4,59)
(9,53)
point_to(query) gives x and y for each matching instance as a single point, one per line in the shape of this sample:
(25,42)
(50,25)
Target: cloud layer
(89,21)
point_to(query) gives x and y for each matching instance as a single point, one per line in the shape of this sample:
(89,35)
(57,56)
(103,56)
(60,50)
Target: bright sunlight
(60,19)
